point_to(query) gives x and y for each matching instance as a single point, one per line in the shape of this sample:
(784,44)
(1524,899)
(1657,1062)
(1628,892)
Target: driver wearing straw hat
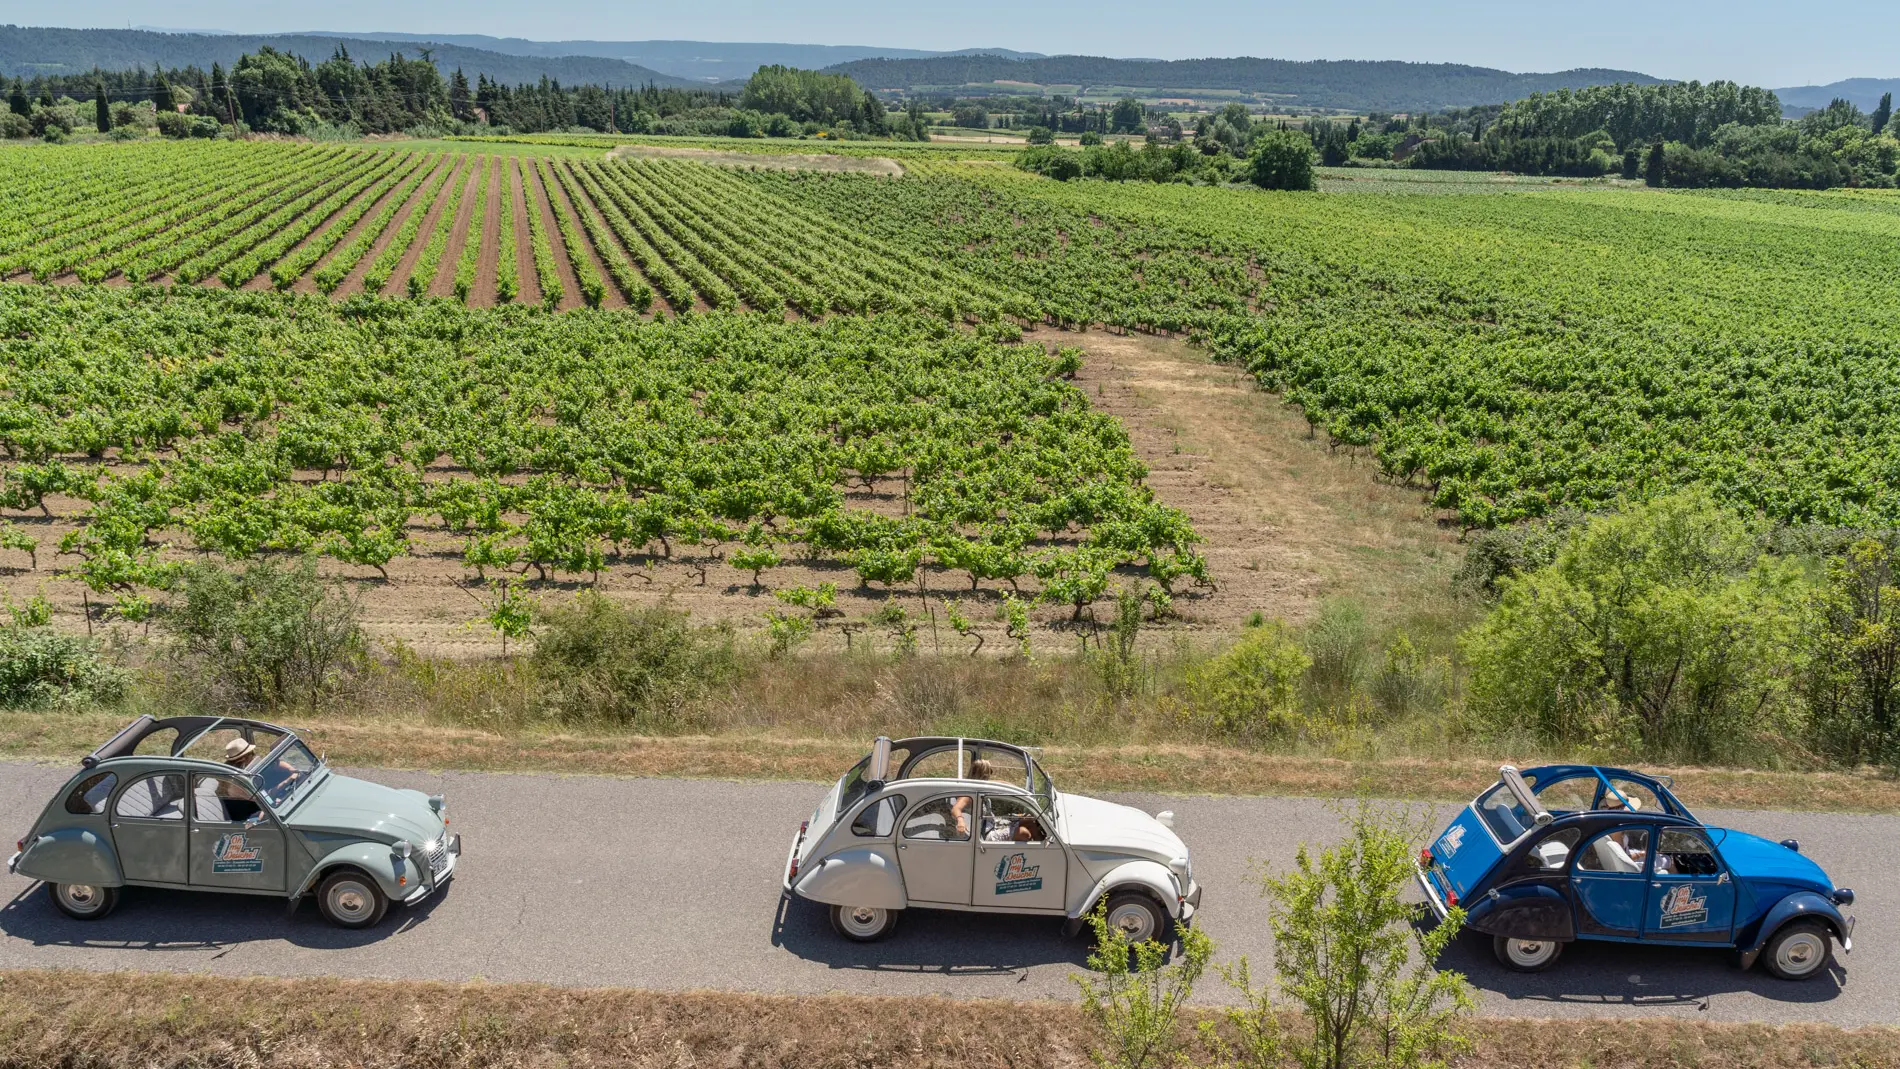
(238,754)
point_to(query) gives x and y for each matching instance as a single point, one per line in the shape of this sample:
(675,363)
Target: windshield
(1040,785)
(1507,819)
(851,788)
(290,769)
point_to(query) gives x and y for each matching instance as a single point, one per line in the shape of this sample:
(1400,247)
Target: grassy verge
(126,1019)
(1171,767)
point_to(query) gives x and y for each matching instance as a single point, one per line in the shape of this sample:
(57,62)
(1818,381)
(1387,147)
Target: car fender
(71,855)
(1792,908)
(376,860)
(860,876)
(1141,874)
(1526,911)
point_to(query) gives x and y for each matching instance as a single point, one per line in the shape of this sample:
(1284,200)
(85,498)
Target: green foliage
(1852,646)
(1135,997)
(11,537)
(1664,629)
(1402,685)
(639,667)
(42,668)
(1336,643)
(787,631)
(1249,689)
(266,636)
(801,94)
(754,559)
(1282,159)
(1345,951)
(511,613)
(1016,624)
(1050,161)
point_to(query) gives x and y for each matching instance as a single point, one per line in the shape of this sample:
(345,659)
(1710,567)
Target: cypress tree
(1884,113)
(17,99)
(1653,170)
(162,98)
(101,107)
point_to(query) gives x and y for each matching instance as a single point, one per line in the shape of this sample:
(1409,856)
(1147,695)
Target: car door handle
(903,846)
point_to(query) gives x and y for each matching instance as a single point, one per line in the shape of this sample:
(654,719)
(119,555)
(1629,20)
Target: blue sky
(1755,41)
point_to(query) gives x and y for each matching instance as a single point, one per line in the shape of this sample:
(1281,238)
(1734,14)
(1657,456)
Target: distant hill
(1380,85)
(1862,91)
(32,50)
(705,61)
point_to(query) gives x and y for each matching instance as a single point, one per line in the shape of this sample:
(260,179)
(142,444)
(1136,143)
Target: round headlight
(402,848)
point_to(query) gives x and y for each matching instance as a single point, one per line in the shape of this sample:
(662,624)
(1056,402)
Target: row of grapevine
(301,224)
(331,274)
(638,294)
(293,267)
(709,285)
(429,260)
(471,257)
(271,214)
(701,249)
(675,289)
(593,289)
(547,276)
(377,276)
(508,259)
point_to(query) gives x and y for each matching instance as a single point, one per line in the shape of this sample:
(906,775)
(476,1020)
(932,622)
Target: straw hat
(238,750)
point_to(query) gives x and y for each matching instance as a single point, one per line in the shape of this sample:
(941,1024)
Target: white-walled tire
(1798,951)
(1138,917)
(83,901)
(1526,955)
(349,899)
(863,924)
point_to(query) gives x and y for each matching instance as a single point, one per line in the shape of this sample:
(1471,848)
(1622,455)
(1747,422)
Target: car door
(1610,880)
(1691,893)
(935,850)
(235,844)
(1019,865)
(148,828)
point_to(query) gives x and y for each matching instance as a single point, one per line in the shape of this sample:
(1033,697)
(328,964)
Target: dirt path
(398,284)
(353,283)
(570,285)
(1288,521)
(614,298)
(529,290)
(499,192)
(775,161)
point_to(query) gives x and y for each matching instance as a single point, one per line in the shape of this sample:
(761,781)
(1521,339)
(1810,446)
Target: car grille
(438,856)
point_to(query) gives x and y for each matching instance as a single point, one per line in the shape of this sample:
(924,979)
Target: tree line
(275,91)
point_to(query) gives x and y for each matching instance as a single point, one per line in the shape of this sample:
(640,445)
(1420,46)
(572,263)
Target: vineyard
(877,449)
(824,367)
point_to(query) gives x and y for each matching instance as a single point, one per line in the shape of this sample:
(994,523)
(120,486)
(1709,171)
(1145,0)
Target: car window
(1681,852)
(940,764)
(940,819)
(1640,796)
(878,818)
(160,797)
(214,745)
(1002,766)
(1570,794)
(89,796)
(284,773)
(158,744)
(1553,851)
(222,800)
(1044,788)
(1502,814)
(1008,819)
(1621,850)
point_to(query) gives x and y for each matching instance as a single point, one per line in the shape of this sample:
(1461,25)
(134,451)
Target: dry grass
(1173,768)
(77,1019)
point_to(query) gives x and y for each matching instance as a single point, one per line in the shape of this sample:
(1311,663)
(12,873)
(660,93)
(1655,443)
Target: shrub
(14,126)
(1345,950)
(1282,159)
(41,668)
(1135,998)
(1249,689)
(266,636)
(1050,161)
(1852,639)
(1336,642)
(627,666)
(172,124)
(1665,629)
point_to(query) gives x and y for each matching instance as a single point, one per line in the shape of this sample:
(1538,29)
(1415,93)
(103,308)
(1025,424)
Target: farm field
(1489,357)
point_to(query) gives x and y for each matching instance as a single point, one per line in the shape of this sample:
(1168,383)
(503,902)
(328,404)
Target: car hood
(1094,825)
(1755,858)
(359,807)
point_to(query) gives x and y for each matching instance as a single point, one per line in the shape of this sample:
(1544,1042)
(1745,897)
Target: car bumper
(1191,902)
(440,879)
(1847,937)
(13,863)
(1432,898)
(785,870)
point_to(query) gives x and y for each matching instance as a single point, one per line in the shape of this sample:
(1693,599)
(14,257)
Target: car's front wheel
(1799,951)
(349,899)
(83,901)
(1526,955)
(863,924)
(1138,917)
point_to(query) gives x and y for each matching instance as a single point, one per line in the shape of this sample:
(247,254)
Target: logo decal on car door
(1449,843)
(234,853)
(1683,906)
(1015,873)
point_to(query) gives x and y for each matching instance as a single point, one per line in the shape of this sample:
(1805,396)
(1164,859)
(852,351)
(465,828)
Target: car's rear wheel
(1799,951)
(863,924)
(1138,917)
(83,901)
(349,899)
(1526,955)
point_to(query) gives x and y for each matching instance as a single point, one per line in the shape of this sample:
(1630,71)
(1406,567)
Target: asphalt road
(674,884)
